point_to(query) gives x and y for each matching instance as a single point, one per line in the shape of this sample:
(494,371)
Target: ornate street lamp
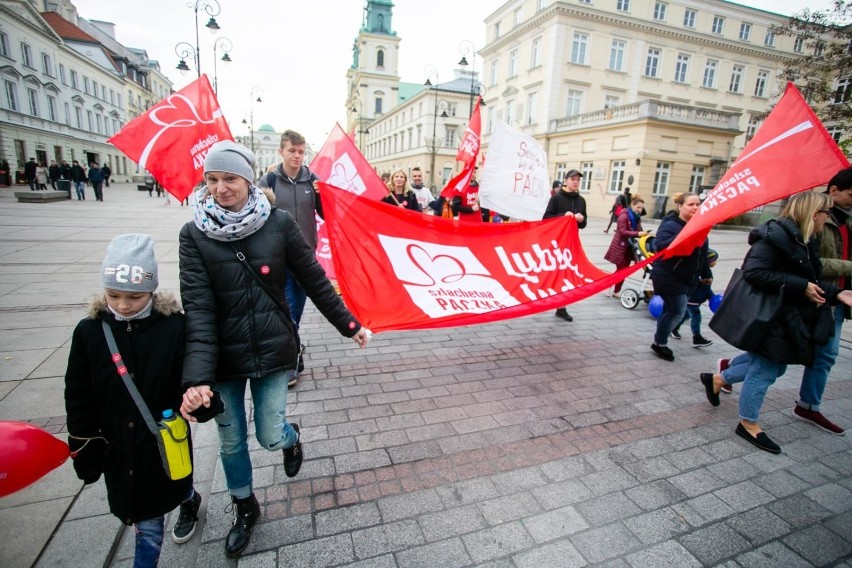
(226,46)
(431,71)
(213,9)
(250,123)
(466,48)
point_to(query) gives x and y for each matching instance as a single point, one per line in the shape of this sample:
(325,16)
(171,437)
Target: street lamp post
(213,9)
(466,48)
(431,71)
(359,120)
(226,46)
(251,115)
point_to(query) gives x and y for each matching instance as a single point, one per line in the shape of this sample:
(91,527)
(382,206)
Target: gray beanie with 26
(130,265)
(228,156)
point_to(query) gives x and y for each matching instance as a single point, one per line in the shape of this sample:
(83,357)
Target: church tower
(373,78)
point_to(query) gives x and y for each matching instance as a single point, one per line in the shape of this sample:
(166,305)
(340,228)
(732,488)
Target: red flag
(340,163)
(441,273)
(468,151)
(172,138)
(352,133)
(791,152)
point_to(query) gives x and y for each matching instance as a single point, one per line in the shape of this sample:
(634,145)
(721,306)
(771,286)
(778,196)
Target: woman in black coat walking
(784,255)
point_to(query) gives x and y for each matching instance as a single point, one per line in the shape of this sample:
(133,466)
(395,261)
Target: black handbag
(746,313)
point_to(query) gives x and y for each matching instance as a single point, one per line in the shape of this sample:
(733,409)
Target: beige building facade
(657,95)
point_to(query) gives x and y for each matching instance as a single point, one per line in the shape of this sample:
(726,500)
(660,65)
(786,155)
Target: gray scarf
(222,225)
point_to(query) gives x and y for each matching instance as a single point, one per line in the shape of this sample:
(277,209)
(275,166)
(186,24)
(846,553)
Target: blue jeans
(814,378)
(673,309)
(149,542)
(269,395)
(80,189)
(757,374)
(693,313)
(296,297)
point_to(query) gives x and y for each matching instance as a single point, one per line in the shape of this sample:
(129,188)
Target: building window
(616,177)
(86,85)
(587,169)
(26,55)
(836,133)
(842,93)
(751,129)
(380,58)
(696,180)
(611,101)
(616,55)
(32,97)
(90,120)
(561,170)
(736,79)
(11,95)
(378,106)
(496,30)
(489,121)
(652,62)
(510,106)
(494,68)
(622,5)
(799,44)
(532,100)
(745,31)
(689,18)
(513,63)
(98,123)
(661,178)
(78,115)
(51,108)
(4,44)
(681,68)
(578,48)
(710,74)
(660,11)
(62,74)
(819,47)
(718,25)
(769,38)
(46,67)
(535,57)
(539,5)
(74,82)
(67,113)
(518,16)
(760,84)
(575,102)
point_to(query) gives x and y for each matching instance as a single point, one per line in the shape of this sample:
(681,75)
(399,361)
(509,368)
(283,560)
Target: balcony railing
(648,109)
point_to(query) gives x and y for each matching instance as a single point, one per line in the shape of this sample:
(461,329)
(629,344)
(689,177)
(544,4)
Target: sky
(295,53)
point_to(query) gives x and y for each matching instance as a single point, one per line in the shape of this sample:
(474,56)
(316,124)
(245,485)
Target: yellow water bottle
(174,436)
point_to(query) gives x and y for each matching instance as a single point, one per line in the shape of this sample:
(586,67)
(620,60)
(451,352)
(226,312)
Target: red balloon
(27,453)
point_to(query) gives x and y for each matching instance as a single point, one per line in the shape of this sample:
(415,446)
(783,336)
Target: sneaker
(663,352)
(816,418)
(676,333)
(187,518)
(294,379)
(562,313)
(700,341)
(722,365)
(293,456)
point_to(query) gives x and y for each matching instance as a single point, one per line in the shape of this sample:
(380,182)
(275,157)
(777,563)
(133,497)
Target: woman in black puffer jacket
(236,333)
(784,254)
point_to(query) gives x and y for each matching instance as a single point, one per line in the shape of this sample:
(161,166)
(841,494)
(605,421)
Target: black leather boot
(246,513)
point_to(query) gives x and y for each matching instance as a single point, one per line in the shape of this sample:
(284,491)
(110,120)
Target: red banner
(400,269)
(791,152)
(172,138)
(468,151)
(340,163)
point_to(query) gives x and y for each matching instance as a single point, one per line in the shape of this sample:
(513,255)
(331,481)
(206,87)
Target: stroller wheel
(629,298)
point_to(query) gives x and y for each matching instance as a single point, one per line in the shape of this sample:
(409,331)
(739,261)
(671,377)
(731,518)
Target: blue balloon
(715,302)
(655,306)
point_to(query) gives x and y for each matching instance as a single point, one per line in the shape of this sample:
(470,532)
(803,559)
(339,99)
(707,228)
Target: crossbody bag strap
(282,305)
(128,382)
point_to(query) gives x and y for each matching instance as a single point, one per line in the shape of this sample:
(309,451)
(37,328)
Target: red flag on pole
(172,138)
(468,151)
(791,152)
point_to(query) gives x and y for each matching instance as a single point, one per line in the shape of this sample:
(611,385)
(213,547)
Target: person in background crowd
(30,173)
(674,277)
(65,170)
(466,205)
(238,333)
(54,172)
(78,177)
(700,294)
(556,186)
(105,169)
(629,226)
(96,176)
(567,202)
(784,255)
(42,177)
(424,196)
(400,193)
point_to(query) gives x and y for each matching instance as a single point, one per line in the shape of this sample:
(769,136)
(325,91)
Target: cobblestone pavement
(532,442)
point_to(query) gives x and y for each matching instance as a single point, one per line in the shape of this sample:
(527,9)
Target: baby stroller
(631,292)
